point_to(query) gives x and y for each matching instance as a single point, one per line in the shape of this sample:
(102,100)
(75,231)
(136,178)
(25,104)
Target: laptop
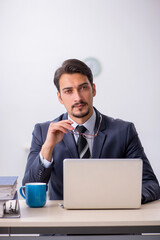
(102,183)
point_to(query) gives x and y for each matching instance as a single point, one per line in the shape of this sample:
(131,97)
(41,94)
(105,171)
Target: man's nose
(77,95)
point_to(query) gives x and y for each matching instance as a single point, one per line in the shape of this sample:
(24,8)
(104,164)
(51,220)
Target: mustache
(76,104)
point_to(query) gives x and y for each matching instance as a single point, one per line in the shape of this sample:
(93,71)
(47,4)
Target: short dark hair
(72,66)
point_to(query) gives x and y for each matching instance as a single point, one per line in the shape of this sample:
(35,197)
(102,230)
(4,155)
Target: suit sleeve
(150,185)
(35,171)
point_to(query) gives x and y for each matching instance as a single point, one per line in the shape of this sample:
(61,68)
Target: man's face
(76,93)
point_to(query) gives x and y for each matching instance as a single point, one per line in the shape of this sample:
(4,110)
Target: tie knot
(81,129)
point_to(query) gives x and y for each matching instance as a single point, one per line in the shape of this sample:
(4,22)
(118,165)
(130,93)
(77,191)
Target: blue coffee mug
(35,194)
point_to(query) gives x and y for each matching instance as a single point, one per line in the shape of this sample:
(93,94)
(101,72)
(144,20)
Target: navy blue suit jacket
(116,139)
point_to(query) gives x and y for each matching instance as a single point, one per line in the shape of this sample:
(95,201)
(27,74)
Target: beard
(81,113)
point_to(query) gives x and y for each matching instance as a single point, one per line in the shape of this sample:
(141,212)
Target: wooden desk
(53,219)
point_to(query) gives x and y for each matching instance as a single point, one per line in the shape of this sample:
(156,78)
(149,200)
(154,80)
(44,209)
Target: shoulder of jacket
(116,122)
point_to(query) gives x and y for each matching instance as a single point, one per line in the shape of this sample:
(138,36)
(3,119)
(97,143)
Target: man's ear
(59,97)
(94,90)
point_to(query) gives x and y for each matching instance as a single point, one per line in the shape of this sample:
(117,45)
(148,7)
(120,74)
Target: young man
(106,137)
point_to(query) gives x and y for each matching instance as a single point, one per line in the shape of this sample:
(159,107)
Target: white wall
(37,35)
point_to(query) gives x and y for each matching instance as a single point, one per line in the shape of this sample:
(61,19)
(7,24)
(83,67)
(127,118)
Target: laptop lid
(102,183)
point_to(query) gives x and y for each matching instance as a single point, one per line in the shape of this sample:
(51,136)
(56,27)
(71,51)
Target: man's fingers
(62,126)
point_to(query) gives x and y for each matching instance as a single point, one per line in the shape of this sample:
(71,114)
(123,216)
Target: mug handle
(21,192)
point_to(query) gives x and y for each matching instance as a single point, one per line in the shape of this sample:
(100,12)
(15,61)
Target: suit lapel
(69,141)
(98,145)
(100,138)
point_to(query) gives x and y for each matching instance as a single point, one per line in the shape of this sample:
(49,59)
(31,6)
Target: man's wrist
(45,162)
(46,152)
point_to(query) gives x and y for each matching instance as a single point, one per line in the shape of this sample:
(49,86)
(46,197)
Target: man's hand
(55,134)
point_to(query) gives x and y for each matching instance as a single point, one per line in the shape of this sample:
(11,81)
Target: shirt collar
(89,124)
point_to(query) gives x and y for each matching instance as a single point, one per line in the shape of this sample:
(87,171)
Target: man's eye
(83,87)
(68,91)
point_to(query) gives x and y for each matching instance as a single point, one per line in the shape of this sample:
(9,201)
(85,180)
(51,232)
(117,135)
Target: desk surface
(53,216)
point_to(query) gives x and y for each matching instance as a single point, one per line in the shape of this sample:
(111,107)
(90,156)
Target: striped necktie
(83,148)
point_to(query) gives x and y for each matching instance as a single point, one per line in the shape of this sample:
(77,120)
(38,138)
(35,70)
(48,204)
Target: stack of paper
(8,188)
(2,206)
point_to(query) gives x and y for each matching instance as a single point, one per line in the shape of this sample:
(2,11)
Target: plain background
(36,36)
